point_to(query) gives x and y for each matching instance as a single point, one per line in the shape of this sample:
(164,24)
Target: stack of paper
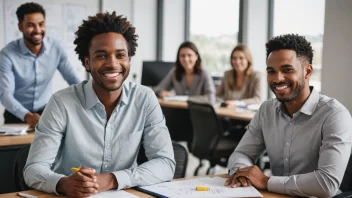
(114,194)
(187,188)
(176,98)
(13,130)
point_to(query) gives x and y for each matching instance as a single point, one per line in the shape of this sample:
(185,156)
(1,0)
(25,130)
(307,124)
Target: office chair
(209,139)
(20,162)
(181,158)
(346,184)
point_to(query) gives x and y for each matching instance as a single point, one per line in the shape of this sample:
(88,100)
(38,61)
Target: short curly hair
(295,42)
(104,23)
(28,8)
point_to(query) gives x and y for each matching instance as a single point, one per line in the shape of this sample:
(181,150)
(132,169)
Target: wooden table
(232,112)
(9,147)
(265,194)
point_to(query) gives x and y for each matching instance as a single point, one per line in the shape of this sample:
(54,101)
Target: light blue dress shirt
(26,79)
(73,131)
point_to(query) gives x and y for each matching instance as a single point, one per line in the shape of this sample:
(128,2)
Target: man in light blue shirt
(27,67)
(99,125)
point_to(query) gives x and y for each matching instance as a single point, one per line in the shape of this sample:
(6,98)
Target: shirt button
(287,144)
(105,166)
(286,159)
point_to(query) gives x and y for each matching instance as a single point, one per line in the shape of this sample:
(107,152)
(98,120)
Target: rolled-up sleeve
(44,148)
(333,158)
(157,143)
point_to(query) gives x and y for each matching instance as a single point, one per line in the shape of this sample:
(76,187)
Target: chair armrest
(344,195)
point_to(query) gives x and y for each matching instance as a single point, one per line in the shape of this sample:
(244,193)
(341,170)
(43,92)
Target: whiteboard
(62,19)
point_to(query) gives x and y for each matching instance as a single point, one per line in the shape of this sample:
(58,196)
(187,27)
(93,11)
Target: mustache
(118,69)
(280,84)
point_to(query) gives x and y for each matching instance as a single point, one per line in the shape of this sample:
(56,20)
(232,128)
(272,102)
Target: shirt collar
(309,106)
(92,98)
(25,50)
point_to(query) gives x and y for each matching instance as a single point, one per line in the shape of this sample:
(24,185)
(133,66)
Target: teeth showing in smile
(111,75)
(281,87)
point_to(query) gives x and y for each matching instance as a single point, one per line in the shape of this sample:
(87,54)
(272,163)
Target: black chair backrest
(20,162)
(181,158)
(207,129)
(346,184)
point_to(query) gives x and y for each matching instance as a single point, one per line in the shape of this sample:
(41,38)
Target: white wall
(255,35)
(142,14)
(337,51)
(173,28)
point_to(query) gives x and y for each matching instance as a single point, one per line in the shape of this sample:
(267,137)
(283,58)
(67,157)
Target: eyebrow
(104,51)
(282,66)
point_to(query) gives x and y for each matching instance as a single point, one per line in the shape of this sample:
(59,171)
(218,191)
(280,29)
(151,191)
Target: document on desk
(187,188)
(13,130)
(176,98)
(114,194)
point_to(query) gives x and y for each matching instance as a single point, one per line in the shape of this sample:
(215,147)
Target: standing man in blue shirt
(27,67)
(99,124)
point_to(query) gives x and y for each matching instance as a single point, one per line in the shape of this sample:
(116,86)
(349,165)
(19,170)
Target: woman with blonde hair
(241,83)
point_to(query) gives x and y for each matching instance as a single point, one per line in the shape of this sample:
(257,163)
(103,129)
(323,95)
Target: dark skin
(109,65)
(33,29)
(288,77)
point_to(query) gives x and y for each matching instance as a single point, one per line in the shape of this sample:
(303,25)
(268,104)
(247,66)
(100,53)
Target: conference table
(179,123)
(229,112)
(39,194)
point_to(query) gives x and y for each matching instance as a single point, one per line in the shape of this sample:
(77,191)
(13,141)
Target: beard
(295,92)
(31,40)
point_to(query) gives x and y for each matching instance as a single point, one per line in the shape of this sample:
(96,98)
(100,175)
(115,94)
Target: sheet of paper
(176,98)
(13,130)
(114,194)
(187,188)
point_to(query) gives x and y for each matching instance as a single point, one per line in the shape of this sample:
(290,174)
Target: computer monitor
(153,72)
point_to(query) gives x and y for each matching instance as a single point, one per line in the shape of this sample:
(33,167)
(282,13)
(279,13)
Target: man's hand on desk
(106,182)
(31,119)
(252,173)
(81,184)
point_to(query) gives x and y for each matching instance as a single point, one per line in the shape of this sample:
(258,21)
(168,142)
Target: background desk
(265,194)
(179,122)
(9,147)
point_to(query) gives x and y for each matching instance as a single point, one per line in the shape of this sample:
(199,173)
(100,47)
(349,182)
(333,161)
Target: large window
(305,18)
(214,29)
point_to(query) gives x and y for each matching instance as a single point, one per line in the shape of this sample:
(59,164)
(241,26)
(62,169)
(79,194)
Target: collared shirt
(202,85)
(73,131)
(26,79)
(308,153)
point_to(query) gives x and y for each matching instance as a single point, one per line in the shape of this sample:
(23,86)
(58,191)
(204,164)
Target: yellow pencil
(75,169)
(202,188)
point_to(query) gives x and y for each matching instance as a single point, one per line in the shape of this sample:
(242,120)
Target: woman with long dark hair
(188,77)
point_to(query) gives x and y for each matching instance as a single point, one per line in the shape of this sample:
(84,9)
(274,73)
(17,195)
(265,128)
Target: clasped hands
(85,183)
(248,176)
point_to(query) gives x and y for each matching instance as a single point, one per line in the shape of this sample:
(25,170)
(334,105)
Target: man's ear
(20,27)
(308,71)
(86,64)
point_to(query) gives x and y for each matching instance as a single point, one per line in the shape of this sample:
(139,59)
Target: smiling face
(287,77)
(108,61)
(188,58)
(239,61)
(33,28)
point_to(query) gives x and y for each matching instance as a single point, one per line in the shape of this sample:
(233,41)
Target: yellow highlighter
(75,169)
(202,188)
